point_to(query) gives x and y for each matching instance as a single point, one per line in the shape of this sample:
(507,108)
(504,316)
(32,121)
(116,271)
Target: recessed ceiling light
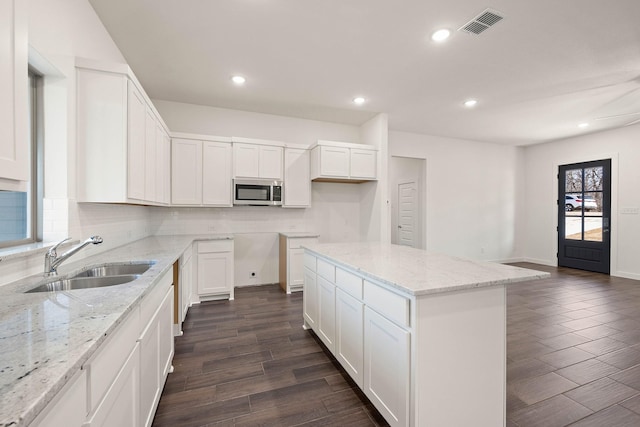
(583,125)
(238,80)
(440,35)
(358,100)
(470,103)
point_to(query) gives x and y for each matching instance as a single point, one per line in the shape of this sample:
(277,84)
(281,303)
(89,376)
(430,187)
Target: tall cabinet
(14,138)
(121,136)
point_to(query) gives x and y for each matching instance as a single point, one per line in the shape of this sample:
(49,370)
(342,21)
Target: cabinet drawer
(349,282)
(112,354)
(215,246)
(152,301)
(326,270)
(310,262)
(391,305)
(298,242)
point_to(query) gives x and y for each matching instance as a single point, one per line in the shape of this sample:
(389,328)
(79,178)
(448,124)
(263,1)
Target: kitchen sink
(115,270)
(84,283)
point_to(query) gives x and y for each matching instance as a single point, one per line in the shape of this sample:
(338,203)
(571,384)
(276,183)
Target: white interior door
(407,205)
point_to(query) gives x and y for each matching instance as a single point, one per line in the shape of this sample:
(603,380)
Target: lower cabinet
(186,284)
(326,328)
(215,269)
(386,367)
(350,335)
(292,261)
(121,383)
(310,300)
(121,403)
(371,341)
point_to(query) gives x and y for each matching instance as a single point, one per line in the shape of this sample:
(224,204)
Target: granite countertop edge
(317,249)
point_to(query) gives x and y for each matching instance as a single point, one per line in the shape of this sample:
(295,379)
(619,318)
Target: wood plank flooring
(248,362)
(573,358)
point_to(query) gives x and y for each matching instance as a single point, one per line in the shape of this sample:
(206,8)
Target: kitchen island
(422,334)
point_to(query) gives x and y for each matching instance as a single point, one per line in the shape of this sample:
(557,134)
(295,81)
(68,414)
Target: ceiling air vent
(486,19)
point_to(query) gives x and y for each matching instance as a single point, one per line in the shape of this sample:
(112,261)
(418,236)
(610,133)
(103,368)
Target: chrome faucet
(52,261)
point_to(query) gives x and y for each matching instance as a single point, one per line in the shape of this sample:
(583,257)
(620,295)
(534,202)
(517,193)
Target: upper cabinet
(123,144)
(253,158)
(14,135)
(201,171)
(343,162)
(297,184)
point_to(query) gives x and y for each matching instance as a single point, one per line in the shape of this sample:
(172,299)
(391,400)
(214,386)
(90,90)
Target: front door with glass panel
(584,207)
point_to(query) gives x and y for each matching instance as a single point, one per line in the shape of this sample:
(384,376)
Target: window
(21,210)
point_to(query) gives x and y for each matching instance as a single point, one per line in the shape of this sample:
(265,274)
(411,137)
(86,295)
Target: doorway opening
(407,194)
(584,212)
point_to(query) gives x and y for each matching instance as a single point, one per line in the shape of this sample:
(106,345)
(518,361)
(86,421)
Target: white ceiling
(538,73)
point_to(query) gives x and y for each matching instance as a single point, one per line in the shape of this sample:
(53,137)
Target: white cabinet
(291,260)
(201,172)
(68,408)
(216,174)
(297,181)
(121,404)
(366,327)
(326,328)
(156,353)
(121,143)
(362,164)
(14,137)
(343,162)
(386,367)
(350,335)
(257,159)
(186,172)
(186,283)
(215,269)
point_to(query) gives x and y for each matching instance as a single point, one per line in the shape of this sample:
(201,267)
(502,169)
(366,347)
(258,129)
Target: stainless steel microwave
(257,192)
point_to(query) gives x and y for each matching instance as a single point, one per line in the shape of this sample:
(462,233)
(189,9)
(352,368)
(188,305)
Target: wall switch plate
(629,211)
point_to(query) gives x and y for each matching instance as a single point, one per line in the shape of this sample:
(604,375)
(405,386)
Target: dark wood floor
(573,358)
(573,351)
(248,362)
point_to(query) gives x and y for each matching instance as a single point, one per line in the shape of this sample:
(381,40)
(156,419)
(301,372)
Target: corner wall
(473,195)
(542,161)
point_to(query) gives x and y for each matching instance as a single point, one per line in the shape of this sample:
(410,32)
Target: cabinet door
(363,164)
(334,162)
(297,183)
(14,137)
(215,273)
(186,283)
(161,169)
(216,173)
(246,160)
(270,162)
(186,172)
(121,404)
(310,299)
(327,313)
(150,161)
(165,331)
(166,168)
(296,268)
(350,335)
(386,367)
(149,371)
(136,135)
(68,408)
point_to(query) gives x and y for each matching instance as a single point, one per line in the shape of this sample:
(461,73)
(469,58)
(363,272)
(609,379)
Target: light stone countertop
(298,234)
(419,272)
(46,337)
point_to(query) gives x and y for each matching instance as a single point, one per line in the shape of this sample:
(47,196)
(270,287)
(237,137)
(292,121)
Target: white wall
(59,31)
(335,211)
(542,161)
(473,194)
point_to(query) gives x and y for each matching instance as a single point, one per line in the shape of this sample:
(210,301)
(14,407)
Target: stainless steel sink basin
(115,270)
(84,283)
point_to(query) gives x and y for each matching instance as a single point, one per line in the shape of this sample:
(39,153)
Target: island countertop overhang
(418,272)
